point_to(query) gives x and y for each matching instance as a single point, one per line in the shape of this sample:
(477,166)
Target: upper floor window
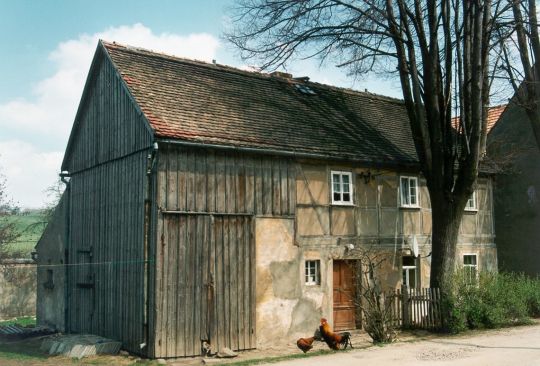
(409,191)
(342,188)
(471,203)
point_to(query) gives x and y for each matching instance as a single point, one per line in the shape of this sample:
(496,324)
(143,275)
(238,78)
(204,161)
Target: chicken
(305,344)
(335,341)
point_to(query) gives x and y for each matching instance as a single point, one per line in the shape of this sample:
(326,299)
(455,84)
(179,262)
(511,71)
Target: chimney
(280,74)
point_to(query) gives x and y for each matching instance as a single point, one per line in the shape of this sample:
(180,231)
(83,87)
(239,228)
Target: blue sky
(47,48)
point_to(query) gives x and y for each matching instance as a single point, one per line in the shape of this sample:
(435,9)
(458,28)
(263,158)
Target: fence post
(405,306)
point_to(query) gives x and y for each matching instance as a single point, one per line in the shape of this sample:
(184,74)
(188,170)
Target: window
(471,203)
(313,274)
(342,188)
(409,271)
(470,265)
(409,191)
(49,284)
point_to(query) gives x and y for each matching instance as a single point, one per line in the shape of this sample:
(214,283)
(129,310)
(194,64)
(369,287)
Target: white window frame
(475,265)
(312,274)
(406,270)
(341,185)
(409,195)
(472,203)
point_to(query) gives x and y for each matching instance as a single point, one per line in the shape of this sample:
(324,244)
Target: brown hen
(305,344)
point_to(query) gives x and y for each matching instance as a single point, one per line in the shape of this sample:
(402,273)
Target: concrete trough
(80,345)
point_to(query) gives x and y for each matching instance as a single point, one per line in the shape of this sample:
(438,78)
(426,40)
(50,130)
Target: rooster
(335,341)
(305,344)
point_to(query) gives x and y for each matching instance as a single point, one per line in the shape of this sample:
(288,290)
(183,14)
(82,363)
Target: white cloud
(46,115)
(51,111)
(29,171)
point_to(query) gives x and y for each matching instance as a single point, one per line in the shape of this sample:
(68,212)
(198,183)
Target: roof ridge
(236,70)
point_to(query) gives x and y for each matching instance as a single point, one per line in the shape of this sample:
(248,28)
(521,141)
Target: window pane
(412,187)
(409,261)
(405,191)
(312,272)
(346,197)
(345,178)
(412,278)
(337,196)
(346,188)
(336,182)
(469,260)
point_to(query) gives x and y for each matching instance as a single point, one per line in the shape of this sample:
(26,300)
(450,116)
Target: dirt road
(508,347)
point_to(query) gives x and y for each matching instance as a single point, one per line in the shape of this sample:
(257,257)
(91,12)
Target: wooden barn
(208,203)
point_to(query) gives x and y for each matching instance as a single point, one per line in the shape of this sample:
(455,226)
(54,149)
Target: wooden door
(344,292)
(208,284)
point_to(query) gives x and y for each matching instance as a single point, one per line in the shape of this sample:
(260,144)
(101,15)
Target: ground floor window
(410,273)
(313,272)
(470,265)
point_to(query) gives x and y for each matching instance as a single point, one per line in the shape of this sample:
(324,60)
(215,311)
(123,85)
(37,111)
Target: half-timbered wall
(207,204)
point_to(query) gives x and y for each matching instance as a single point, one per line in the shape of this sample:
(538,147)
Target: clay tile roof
(494,113)
(208,103)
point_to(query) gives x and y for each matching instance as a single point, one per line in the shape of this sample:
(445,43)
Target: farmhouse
(208,203)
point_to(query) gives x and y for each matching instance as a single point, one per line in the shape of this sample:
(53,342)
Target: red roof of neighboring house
(494,113)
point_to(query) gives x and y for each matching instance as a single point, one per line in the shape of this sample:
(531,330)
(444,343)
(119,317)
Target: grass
(24,321)
(31,227)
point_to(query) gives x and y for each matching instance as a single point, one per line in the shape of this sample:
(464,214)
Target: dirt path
(508,347)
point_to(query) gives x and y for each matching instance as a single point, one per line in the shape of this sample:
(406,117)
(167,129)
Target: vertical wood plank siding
(109,125)
(205,260)
(107,160)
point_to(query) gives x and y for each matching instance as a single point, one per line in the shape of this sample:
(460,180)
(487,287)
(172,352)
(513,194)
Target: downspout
(150,163)
(64,177)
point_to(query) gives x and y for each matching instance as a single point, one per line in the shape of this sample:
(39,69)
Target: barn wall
(51,248)
(109,126)
(107,163)
(205,260)
(106,251)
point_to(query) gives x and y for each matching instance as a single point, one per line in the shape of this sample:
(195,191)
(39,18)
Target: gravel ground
(518,346)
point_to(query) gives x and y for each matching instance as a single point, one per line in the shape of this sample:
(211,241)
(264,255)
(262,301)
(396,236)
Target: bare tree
(377,306)
(519,42)
(440,50)
(8,227)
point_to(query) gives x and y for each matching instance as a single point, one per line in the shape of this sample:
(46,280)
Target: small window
(342,188)
(313,273)
(409,191)
(409,271)
(49,284)
(470,265)
(471,203)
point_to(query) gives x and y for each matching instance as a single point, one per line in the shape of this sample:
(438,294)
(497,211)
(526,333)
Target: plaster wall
(286,308)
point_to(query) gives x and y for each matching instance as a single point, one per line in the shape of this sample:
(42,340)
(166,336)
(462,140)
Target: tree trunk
(446,219)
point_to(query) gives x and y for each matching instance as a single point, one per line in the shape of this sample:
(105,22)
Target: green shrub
(491,300)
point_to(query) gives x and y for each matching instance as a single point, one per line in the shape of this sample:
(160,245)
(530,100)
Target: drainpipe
(65,178)
(150,164)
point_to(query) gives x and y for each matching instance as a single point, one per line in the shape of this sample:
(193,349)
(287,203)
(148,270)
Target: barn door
(208,284)
(232,270)
(344,293)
